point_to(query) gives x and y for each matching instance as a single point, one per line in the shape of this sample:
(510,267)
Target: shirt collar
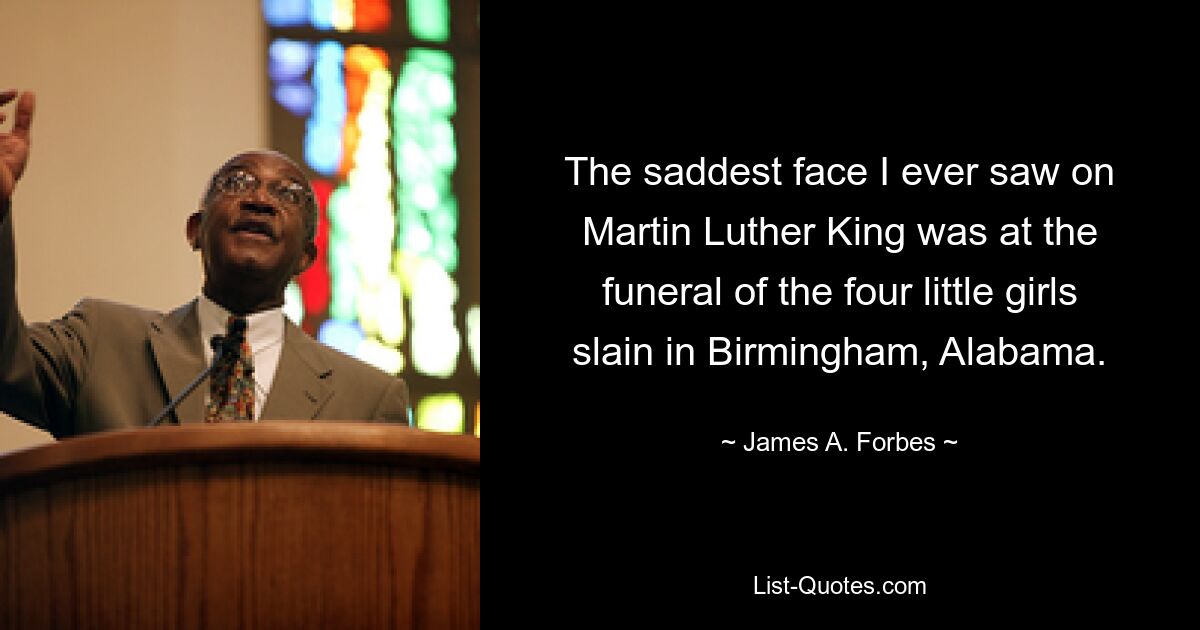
(263,329)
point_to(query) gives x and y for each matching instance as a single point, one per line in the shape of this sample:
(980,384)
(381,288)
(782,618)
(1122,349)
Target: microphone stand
(219,347)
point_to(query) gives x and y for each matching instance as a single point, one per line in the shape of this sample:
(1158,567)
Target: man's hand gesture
(14,147)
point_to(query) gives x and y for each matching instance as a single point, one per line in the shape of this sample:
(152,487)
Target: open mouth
(254,229)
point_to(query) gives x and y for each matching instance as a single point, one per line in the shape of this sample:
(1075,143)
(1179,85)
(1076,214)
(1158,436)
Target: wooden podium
(273,525)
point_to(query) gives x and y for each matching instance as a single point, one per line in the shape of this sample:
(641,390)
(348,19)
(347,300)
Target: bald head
(286,164)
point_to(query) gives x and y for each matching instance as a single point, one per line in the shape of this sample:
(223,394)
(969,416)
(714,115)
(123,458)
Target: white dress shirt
(264,331)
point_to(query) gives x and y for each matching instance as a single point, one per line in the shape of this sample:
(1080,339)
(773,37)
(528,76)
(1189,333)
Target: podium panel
(278,525)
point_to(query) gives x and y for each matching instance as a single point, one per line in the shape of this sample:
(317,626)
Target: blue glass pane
(323,147)
(322,14)
(297,98)
(288,60)
(281,13)
(340,335)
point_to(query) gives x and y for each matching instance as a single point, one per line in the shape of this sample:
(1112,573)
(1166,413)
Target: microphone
(222,347)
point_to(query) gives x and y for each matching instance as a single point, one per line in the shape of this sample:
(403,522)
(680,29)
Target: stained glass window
(380,101)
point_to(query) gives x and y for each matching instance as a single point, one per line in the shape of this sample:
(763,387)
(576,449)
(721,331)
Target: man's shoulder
(99,307)
(357,388)
(125,319)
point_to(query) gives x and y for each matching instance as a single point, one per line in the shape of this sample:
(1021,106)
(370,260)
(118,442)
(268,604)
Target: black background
(617,502)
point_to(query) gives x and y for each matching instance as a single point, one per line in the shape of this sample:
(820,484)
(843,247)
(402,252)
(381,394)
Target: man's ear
(307,258)
(193,229)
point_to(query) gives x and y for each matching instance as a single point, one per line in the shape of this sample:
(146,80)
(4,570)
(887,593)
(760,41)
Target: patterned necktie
(231,398)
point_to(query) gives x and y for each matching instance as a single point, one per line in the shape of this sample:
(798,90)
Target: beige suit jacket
(109,366)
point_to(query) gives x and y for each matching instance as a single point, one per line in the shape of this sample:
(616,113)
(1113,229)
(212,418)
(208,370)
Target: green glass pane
(429,19)
(441,412)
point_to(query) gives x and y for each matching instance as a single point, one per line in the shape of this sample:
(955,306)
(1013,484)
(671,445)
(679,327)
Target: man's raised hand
(14,146)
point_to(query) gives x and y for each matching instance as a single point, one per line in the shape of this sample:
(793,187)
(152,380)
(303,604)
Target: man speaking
(107,366)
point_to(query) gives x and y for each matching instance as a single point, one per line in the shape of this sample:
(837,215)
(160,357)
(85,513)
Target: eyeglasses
(240,181)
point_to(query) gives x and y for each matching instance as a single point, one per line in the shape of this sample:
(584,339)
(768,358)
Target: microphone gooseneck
(221,347)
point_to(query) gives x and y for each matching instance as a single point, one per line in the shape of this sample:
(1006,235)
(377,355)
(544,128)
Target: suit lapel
(175,341)
(299,389)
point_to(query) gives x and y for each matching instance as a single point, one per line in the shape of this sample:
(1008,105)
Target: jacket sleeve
(42,365)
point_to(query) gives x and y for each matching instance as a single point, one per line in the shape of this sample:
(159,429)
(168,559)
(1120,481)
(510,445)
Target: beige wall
(138,101)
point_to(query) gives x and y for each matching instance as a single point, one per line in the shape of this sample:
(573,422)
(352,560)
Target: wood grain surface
(306,526)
